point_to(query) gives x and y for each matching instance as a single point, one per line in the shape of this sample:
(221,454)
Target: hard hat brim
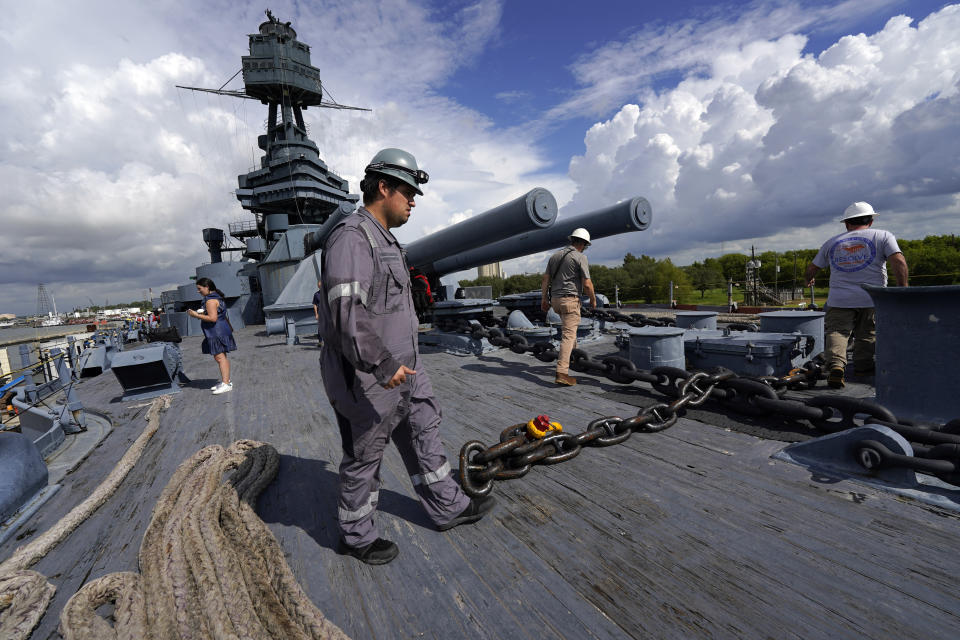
(858,215)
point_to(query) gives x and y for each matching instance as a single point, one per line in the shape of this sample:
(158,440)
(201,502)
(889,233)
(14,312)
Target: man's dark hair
(859,221)
(370,186)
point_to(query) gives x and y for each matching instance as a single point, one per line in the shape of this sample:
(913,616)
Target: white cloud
(111,172)
(512,96)
(112,180)
(705,43)
(767,144)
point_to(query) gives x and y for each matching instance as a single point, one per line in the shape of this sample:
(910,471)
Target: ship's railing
(243,228)
(42,420)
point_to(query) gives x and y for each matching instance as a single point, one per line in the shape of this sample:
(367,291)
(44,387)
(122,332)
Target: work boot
(835,379)
(565,380)
(477,508)
(380,551)
(864,371)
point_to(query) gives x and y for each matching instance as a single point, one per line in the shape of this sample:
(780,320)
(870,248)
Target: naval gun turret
(292,310)
(630,215)
(523,226)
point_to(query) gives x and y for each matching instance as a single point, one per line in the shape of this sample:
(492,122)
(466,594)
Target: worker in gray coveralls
(371,364)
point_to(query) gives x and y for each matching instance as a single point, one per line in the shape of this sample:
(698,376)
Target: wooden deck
(691,533)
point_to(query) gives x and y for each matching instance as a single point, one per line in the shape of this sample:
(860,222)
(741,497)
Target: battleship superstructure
(296,200)
(290,194)
(292,180)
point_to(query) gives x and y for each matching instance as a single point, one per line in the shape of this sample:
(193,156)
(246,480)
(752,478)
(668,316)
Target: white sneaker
(216,386)
(223,387)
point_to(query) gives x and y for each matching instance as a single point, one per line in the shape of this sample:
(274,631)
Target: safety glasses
(420,176)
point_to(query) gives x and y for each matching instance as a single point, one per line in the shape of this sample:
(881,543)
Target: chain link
(942,460)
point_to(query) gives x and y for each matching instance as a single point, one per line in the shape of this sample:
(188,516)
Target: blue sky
(742,123)
(526,68)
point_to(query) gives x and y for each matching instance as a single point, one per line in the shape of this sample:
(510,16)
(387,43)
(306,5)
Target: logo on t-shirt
(852,254)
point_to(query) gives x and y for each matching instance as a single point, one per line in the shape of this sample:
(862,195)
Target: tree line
(935,260)
(144,305)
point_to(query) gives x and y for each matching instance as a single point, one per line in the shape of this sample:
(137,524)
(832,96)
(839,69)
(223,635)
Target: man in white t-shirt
(858,256)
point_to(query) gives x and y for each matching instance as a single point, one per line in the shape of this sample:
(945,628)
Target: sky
(743,123)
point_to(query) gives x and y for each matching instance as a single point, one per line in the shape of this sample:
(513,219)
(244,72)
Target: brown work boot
(864,371)
(835,379)
(565,380)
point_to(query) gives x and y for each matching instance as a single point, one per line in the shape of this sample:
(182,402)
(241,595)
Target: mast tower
(292,179)
(45,306)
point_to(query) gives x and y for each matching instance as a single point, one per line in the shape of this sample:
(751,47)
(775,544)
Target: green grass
(718,297)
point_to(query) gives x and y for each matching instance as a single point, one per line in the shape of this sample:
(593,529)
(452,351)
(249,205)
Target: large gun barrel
(315,239)
(630,215)
(535,210)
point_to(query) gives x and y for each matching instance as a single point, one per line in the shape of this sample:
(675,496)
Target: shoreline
(68,330)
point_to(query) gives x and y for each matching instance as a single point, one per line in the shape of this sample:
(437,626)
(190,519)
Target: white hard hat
(858,209)
(580,234)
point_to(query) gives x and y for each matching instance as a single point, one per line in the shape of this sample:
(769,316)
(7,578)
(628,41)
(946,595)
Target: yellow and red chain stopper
(541,426)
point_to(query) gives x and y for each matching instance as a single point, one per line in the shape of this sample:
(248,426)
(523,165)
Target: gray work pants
(412,421)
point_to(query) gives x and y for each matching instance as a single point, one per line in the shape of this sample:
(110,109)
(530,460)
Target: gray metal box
(149,371)
(478,293)
(747,353)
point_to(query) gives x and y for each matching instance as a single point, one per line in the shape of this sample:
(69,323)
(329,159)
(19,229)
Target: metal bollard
(697,319)
(657,347)
(918,346)
(808,323)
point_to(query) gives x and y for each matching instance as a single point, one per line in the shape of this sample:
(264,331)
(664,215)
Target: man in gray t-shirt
(567,277)
(858,256)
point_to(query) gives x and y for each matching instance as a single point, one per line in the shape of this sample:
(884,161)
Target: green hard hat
(399,164)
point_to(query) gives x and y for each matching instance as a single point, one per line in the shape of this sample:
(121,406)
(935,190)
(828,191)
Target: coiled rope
(209,566)
(24,595)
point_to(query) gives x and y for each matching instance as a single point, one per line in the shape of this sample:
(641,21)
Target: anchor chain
(942,460)
(520,448)
(514,455)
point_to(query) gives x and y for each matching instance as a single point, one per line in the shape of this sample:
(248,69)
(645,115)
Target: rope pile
(25,595)
(209,566)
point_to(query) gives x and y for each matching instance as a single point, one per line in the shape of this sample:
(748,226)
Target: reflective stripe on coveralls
(432,476)
(350,516)
(346,290)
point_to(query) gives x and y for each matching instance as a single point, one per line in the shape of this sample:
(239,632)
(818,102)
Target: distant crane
(47,315)
(45,301)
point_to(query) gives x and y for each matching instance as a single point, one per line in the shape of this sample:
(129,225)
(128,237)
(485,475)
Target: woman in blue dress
(217,332)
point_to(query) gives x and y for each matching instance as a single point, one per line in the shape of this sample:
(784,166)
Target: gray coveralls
(369,329)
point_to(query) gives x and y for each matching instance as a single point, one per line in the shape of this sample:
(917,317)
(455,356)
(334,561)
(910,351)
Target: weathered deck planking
(693,532)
